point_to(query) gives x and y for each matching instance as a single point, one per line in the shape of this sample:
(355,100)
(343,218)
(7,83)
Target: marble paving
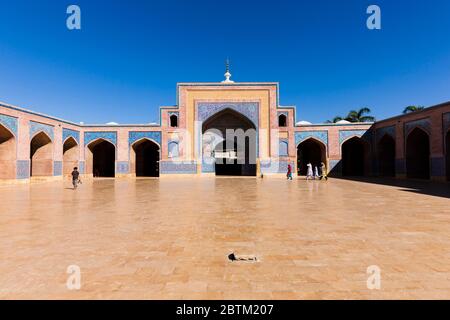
(169,239)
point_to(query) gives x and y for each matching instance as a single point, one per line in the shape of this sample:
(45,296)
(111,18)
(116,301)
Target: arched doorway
(145,158)
(418,155)
(386,156)
(101,159)
(41,155)
(71,154)
(354,157)
(235,154)
(310,151)
(7,154)
(447,150)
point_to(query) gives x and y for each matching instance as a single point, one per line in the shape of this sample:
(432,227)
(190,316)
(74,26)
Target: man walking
(75,178)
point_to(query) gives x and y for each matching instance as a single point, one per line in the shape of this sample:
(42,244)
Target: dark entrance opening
(310,151)
(447,154)
(173,121)
(386,156)
(418,155)
(282,121)
(354,157)
(238,156)
(103,159)
(147,158)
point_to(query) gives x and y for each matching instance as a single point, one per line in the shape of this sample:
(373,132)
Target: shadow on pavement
(432,188)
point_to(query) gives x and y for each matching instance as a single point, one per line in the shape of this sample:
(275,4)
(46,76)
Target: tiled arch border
(205,110)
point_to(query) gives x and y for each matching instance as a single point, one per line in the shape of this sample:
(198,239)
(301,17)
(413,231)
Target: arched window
(282,120)
(173,149)
(284,149)
(174,121)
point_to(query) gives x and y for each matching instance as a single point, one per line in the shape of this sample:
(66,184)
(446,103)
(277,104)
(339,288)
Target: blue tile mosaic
(36,127)
(57,168)
(10,123)
(71,133)
(171,167)
(248,109)
(381,132)
(424,124)
(134,136)
(81,166)
(122,167)
(438,167)
(110,136)
(345,135)
(446,121)
(283,149)
(23,169)
(318,135)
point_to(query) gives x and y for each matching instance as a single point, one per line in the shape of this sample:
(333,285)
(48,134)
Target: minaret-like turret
(227,73)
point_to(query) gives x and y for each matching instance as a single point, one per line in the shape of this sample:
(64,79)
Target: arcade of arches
(101,158)
(418,155)
(7,154)
(228,161)
(41,155)
(354,157)
(145,155)
(386,156)
(447,157)
(71,154)
(310,151)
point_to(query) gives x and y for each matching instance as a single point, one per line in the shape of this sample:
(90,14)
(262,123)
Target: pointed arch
(386,155)
(8,153)
(282,120)
(447,154)
(145,155)
(71,155)
(101,158)
(418,154)
(355,156)
(237,156)
(41,155)
(310,150)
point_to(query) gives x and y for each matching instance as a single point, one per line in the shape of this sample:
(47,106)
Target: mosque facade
(192,138)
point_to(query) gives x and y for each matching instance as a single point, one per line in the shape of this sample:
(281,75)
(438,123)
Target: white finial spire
(227,73)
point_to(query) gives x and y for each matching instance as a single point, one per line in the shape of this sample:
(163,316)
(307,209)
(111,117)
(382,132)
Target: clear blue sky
(129,55)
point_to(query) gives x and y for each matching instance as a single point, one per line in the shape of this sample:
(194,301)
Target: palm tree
(360,116)
(335,119)
(410,109)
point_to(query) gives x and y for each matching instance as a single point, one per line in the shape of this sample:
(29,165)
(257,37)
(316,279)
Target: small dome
(112,123)
(303,123)
(343,122)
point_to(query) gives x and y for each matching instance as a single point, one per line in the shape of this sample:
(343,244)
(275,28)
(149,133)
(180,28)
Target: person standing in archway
(323,171)
(309,173)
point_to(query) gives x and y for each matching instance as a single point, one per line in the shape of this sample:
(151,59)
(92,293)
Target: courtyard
(170,238)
